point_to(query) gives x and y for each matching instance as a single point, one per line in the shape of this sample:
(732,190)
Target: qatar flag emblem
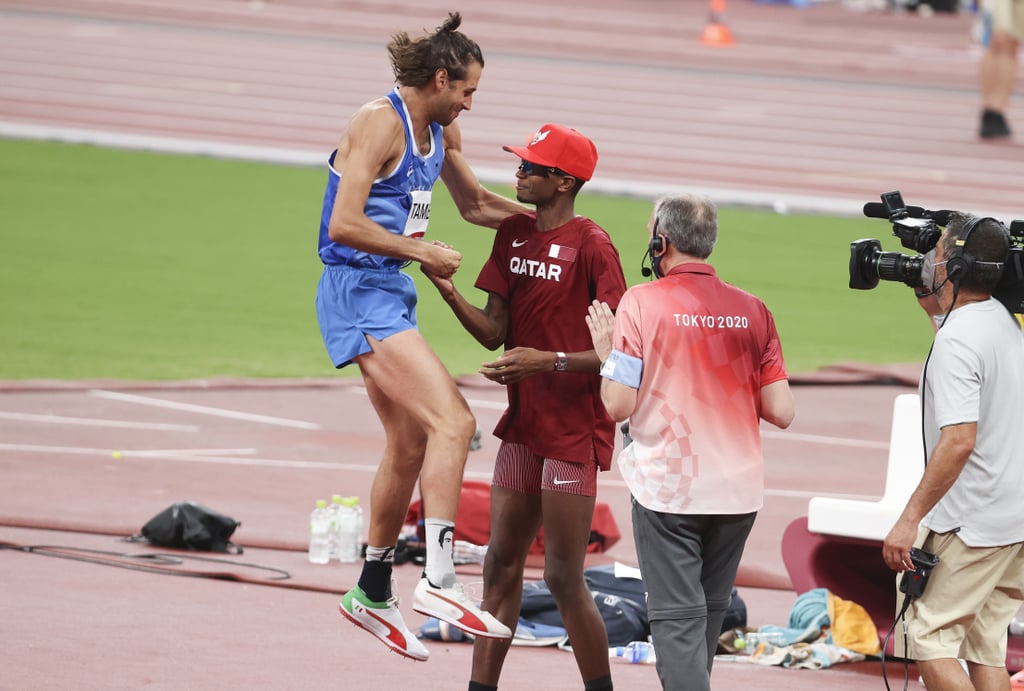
(560,252)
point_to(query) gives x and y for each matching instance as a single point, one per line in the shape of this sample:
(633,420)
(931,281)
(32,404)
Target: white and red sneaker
(384,621)
(455,607)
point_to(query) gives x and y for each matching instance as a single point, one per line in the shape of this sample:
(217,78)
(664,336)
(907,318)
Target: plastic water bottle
(334,510)
(350,530)
(636,653)
(757,642)
(319,534)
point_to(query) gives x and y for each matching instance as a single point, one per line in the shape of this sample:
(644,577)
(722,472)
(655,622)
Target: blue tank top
(400,202)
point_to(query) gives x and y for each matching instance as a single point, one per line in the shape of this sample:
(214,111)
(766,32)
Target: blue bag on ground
(625,619)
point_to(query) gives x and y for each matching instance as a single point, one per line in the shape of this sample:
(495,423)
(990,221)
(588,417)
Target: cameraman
(966,508)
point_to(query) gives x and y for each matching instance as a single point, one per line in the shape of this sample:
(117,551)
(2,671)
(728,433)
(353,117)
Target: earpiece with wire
(655,249)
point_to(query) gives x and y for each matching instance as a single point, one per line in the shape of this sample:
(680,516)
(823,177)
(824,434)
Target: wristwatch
(561,362)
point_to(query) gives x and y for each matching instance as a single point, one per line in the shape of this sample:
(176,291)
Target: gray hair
(689,221)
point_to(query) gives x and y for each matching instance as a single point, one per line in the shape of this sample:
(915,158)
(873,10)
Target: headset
(659,243)
(656,248)
(960,263)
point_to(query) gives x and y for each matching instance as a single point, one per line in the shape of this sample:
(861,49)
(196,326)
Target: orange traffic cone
(716,33)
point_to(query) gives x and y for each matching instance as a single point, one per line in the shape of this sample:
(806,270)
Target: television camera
(919,230)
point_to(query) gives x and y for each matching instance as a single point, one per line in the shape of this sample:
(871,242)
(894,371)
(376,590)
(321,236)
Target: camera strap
(901,617)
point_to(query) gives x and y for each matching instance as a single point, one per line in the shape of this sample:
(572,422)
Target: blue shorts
(352,304)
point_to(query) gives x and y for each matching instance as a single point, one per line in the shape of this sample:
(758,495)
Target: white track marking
(144,453)
(473,402)
(271,463)
(769,434)
(223,457)
(489,405)
(821,439)
(768,492)
(203,410)
(725,196)
(93,422)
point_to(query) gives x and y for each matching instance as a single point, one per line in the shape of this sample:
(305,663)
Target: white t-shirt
(976,374)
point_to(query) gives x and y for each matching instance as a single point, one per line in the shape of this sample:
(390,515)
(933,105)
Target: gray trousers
(688,564)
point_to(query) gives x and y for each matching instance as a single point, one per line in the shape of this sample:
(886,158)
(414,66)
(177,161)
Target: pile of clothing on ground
(823,630)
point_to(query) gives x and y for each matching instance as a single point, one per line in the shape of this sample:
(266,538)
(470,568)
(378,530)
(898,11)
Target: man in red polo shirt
(695,364)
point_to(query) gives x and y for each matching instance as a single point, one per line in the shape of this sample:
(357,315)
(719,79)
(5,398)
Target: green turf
(133,265)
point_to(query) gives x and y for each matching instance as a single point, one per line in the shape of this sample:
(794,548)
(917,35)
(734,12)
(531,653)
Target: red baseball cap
(558,146)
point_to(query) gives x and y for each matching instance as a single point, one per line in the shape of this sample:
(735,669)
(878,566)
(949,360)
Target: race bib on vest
(419,214)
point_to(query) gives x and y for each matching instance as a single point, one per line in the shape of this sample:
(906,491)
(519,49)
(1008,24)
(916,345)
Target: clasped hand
(442,261)
(516,364)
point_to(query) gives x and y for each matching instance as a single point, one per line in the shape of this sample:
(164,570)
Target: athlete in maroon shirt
(544,271)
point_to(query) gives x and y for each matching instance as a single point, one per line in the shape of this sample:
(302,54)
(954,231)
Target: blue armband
(623,368)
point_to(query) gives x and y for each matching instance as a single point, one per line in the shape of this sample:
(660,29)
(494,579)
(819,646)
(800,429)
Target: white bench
(872,520)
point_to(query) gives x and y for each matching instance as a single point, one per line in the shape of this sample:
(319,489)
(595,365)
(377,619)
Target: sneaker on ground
(534,635)
(384,621)
(993,125)
(455,607)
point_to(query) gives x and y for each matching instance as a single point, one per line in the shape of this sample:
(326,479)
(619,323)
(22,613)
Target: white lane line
(771,434)
(804,494)
(490,405)
(145,453)
(473,402)
(269,463)
(768,492)
(222,457)
(94,422)
(203,410)
(213,456)
(821,439)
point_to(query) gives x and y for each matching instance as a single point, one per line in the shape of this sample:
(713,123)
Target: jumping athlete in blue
(375,213)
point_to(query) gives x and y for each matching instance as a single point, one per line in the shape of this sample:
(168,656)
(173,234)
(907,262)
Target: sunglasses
(527,168)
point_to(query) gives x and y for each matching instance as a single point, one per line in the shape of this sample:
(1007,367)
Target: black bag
(187,525)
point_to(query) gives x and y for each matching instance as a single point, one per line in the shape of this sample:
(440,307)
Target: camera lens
(863,253)
(893,266)
(869,264)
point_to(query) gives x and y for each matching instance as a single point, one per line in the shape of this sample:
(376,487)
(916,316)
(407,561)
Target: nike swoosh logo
(519,243)
(564,482)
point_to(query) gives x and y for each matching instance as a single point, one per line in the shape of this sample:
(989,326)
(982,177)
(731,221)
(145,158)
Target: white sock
(440,568)
(384,554)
